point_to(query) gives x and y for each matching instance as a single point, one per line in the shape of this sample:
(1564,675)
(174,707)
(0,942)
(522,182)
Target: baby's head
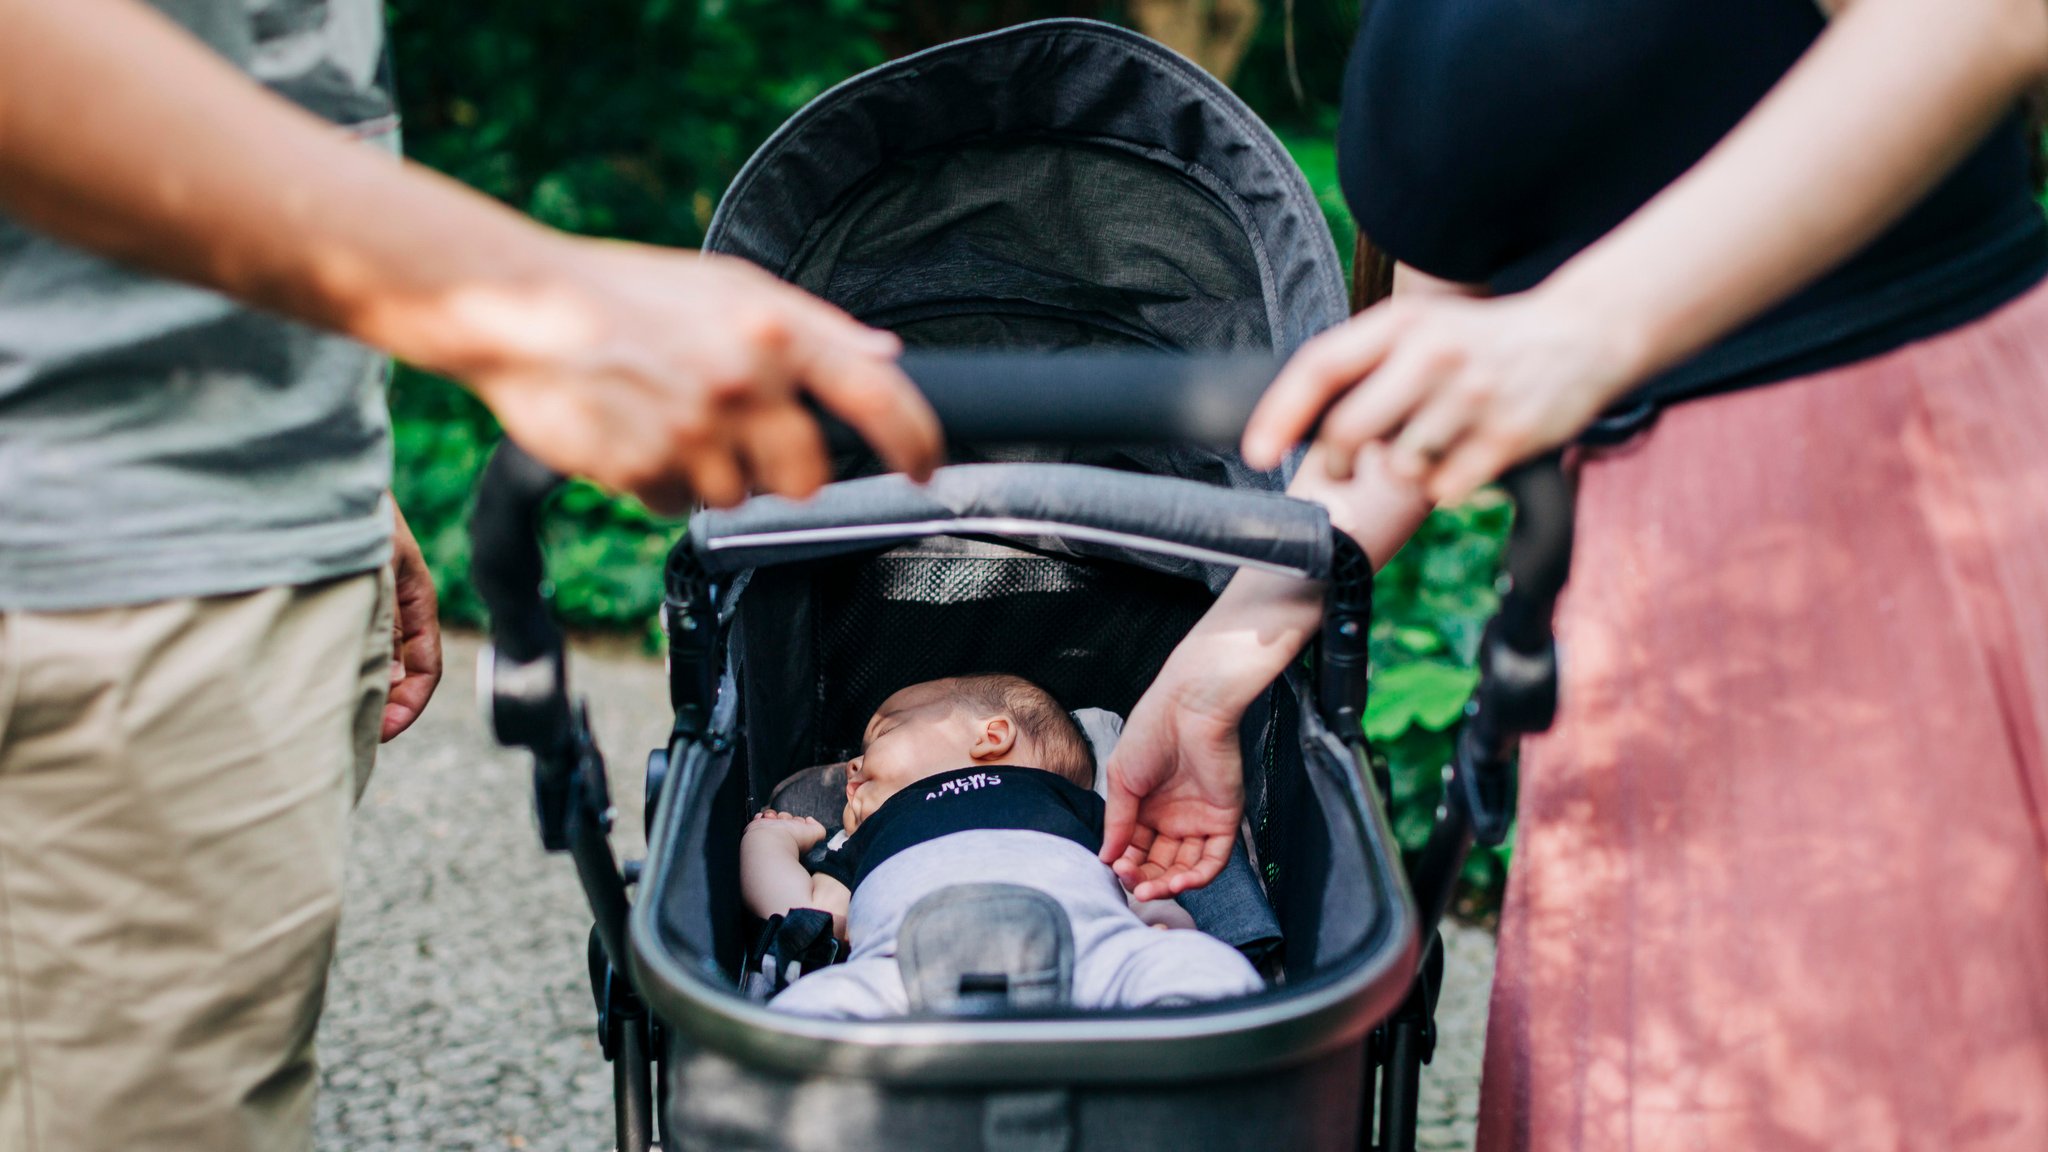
(962,722)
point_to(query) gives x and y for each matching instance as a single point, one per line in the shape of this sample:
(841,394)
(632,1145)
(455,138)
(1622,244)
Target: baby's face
(919,732)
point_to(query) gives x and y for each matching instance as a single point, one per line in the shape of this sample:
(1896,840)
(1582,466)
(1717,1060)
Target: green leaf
(1424,694)
(1419,641)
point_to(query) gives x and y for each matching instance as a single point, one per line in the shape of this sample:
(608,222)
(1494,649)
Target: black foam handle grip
(1089,397)
(505,556)
(1539,550)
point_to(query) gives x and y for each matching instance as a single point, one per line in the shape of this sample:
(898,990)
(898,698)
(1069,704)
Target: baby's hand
(803,831)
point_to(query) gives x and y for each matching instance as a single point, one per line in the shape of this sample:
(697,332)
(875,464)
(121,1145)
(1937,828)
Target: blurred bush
(627,118)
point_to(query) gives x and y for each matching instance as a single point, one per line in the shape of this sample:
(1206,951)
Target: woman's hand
(1176,779)
(1461,389)
(1176,789)
(1883,105)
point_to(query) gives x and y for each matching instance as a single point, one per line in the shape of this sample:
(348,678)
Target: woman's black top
(1019,799)
(1488,141)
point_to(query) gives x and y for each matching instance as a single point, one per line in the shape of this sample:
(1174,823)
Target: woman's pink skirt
(1781,879)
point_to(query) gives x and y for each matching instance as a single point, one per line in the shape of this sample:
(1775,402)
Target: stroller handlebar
(1088,397)
(505,556)
(1012,397)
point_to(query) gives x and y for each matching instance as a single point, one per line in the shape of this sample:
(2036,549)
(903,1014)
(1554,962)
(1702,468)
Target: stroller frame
(655,1003)
(637,990)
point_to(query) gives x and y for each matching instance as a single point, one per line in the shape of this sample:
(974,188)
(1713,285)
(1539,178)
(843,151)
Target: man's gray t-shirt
(159,441)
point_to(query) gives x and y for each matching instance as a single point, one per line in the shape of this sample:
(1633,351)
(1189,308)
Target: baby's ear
(994,738)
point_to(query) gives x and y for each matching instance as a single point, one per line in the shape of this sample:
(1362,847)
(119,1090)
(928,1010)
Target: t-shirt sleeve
(840,864)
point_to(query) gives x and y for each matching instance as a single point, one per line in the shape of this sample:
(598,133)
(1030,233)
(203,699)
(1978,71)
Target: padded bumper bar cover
(1090,506)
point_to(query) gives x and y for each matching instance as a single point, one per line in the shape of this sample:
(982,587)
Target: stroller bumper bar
(1097,506)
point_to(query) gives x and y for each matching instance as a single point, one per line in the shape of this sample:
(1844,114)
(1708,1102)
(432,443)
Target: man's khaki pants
(175,785)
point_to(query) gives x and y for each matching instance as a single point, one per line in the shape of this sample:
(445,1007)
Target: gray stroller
(1097,255)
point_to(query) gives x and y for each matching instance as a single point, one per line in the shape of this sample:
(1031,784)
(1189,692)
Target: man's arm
(644,369)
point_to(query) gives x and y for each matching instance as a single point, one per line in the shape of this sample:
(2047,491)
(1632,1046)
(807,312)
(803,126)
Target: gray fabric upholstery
(1088,510)
(1058,184)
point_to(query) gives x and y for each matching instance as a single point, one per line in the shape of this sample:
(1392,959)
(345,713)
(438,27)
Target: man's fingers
(783,450)
(404,703)
(877,342)
(876,400)
(416,635)
(1208,864)
(1324,369)
(714,474)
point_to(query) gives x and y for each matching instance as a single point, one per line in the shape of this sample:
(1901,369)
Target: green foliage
(621,118)
(1430,604)
(627,118)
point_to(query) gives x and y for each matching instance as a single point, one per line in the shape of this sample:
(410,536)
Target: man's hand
(1176,792)
(677,376)
(662,373)
(415,632)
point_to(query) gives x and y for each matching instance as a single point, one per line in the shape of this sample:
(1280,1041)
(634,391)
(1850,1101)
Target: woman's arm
(654,371)
(1175,781)
(1176,784)
(1886,102)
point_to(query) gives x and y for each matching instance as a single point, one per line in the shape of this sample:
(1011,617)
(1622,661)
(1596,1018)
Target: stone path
(459,1018)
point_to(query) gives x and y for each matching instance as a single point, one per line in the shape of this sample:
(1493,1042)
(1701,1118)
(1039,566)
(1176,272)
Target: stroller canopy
(1062,184)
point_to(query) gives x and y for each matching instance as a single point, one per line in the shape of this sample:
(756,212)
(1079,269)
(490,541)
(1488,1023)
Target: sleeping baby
(970,780)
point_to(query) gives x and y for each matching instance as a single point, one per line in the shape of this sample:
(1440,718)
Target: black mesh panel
(1092,633)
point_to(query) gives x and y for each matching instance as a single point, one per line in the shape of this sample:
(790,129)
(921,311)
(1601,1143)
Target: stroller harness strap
(1098,507)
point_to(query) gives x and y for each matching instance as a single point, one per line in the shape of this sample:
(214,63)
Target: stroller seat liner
(1233,907)
(797,636)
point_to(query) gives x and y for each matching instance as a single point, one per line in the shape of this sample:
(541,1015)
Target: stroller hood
(1061,184)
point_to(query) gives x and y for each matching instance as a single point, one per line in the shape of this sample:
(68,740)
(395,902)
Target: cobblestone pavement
(459,1016)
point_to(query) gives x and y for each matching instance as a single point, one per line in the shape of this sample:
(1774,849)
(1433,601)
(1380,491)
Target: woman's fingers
(1119,823)
(1438,426)
(1199,861)
(1477,460)
(1158,867)
(1376,407)
(1324,369)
